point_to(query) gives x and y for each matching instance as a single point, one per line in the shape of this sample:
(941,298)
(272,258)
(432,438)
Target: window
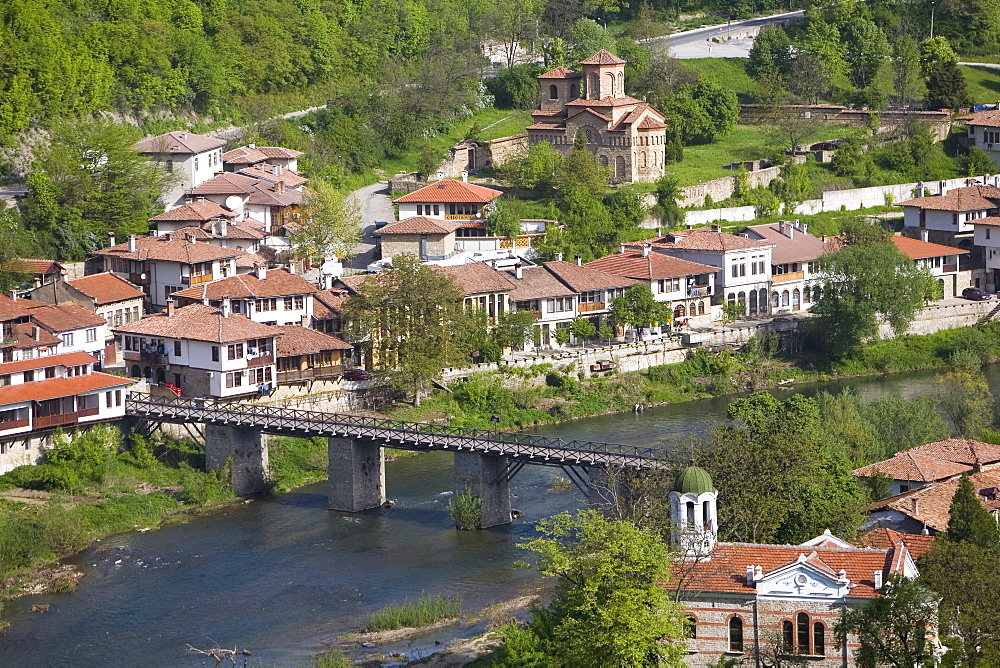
(991,136)
(107,396)
(235,351)
(50,372)
(196,164)
(787,639)
(177,348)
(819,639)
(987,233)
(735,634)
(234,379)
(215,353)
(91,335)
(5,380)
(118,397)
(691,627)
(29,376)
(420,209)
(802,633)
(267,305)
(437,209)
(670,285)
(67,339)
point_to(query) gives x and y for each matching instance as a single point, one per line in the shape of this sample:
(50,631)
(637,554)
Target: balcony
(950,268)
(699,291)
(315,373)
(260,360)
(589,307)
(58,420)
(196,280)
(790,277)
(138,279)
(461,216)
(148,358)
(14,424)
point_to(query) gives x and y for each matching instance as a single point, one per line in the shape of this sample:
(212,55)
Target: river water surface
(284,577)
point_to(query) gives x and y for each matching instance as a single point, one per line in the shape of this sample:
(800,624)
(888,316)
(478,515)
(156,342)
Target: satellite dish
(234,203)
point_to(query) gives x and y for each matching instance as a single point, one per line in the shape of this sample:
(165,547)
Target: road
(698,44)
(375,205)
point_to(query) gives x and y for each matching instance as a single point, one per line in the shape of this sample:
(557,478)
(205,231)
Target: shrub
(422,612)
(466,510)
(61,530)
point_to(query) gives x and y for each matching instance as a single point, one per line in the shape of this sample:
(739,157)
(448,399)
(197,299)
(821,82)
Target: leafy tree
(610,608)
(892,629)
(866,283)
(581,172)
(703,111)
(771,53)
(793,187)
(907,85)
(428,159)
(586,37)
(515,87)
(979,162)
(946,87)
(606,332)
(409,320)
(625,206)
(968,521)
(866,50)
(514,328)
(582,328)
(966,400)
(512,23)
(332,223)
(537,171)
(504,220)
(667,192)
(637,308)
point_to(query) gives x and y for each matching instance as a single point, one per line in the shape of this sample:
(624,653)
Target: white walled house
(987,238)
(251,154)
(55,391)
(204,351)
(941,261)
(112,298)
(189,158)
(266,296)
(953,213)
(78,329)
(162,266)
(984,132)
(448,200)
(538,291)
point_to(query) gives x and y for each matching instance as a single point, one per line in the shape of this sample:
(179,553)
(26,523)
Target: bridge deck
(394,433)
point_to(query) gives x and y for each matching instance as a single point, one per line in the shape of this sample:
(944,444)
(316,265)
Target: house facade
(626,135)
(984,132)
(449,200)
(305,355)
(483,287)
(986,236)
(794,273)
(950,217)
(112,298)
(190,159)
(941,261)
(266,296)
(251,154)
(204,351)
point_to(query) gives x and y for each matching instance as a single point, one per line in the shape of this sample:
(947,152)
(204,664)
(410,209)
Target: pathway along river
(284,577)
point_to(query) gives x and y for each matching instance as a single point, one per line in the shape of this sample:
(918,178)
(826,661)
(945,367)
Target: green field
(983,83)
(729,72)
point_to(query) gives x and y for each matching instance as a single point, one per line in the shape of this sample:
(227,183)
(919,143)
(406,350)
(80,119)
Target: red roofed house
(43,271)
(455,208)
(205,351)
(305,355)
(482,286)
(984,131)
(191,159)
(55,391)
(625,134)
(267,296)
(987,237)
(110,297)
(251,154)
(748,602)
(940,261)
(687,286)
(952,212)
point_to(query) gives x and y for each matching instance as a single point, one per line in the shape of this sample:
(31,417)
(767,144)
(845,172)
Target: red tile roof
(226,183)
(60,387)
(477,278)
(30,335)
(164,248)
(603,57)
(106,288)
(200,323)
(623,101)
(969,198)
(40,267)
(245,155)
(560,73)
(961,450)
(10,309)
(931,504)
(917,249)
(989,118)
(200,211)
(179,142)
(294,340)
(276,283)
(585,278)
(703,238)
(657,265)
(450,190)
(268,172)
(537,283)
(63,317)
(801,247)
(883,539)
(65,359)
(328,304)
(421,225)
(267,194)
(909,465)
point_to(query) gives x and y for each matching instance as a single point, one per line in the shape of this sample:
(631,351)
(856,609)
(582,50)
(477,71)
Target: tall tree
(968,520)
(867,50)
(513,23)
(966,400)
(637,308)
(410,320)
(331,226)
(771,53)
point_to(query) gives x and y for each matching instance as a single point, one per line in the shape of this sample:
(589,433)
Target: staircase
(989,316)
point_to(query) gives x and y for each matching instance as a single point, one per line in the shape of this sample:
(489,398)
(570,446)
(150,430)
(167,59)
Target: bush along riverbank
(516,398)
(89,487)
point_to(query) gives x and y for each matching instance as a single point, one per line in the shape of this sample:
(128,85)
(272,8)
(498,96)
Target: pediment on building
(588,115)
(806,577)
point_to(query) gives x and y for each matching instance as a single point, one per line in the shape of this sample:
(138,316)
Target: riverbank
(517,398)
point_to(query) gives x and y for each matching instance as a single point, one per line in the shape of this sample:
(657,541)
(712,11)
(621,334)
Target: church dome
(693,480)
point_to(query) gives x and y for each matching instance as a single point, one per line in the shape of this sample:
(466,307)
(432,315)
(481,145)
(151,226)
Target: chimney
(878,580)
(579,260)
(465,176)
(131,243)
(188,237)
(942,187)
(749,575)
(13,295)
(111,238)
(184,135)
(803,227)
(659,231)
(170,307)
(621,248)
(786,229)
(716,228)
(226,306)
(37,282)
(915,503)
(645,250)
(277,170)
(758,573)
(279,187)
(291,267)
(251,145)
(924,234)
(305,321)
(518,271)
(260,271)
(841,575)
(36,333)
(558,256)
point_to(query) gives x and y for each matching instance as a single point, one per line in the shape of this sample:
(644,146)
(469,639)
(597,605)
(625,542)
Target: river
(284,577)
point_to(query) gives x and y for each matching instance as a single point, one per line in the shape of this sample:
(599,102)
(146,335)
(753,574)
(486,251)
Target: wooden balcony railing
(316,373)
(950,268)
(260,360)
(588,307)
(87,412)
(195,280)
(56,420)
(699,291)
(460,216)
(789,277)
(14,424)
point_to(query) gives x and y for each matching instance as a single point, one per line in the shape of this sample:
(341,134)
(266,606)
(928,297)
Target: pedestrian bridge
(485,460)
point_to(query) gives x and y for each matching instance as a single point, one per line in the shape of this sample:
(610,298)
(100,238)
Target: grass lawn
(983,83)
(729,72)
(746,142)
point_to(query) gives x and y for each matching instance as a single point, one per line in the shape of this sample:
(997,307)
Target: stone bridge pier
(486,476)
(245,448)
(355,475)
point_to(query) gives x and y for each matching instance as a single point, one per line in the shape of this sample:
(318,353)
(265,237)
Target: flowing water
(284,577)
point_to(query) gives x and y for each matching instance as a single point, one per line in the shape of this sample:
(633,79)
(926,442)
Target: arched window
(701,308)
(680,312)
(592,93)
(753,302)
(691,627)
(642,159)
(787,639)
(553,92)
(620,167)
(591,136)
(136,371)
(742,298)
(706,516)
(806,294)
(574,91)
(775,300)
(690,514)
(796,299)
(784,297)
(731,298)
(819,639)
(735,634)
(611,84)
(147,372)
(604,161)
(763,300)
(802,633)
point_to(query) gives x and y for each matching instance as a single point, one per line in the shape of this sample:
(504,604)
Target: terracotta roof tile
(960,450)
(801,247)
(200,323)
(884,538)
(477,277)
(65,359)
(226,183)
(560,73)
(268,172)
(450,190)
(273,194)
(166,249)
(931,504)
(969,198)
(29,335)
(989,220)
(63,317)
(196,212)
(657,265)
(623,101)
(40,267)
(603,57)
(276,283)
(10,309)
(917,249)
(179,142)
(421,225)
(244,155)
(989,118)
(703,238)
(252,260)
(909,465)
(328,304)
(60,387)
(585,278)
(537,283)
(295,340)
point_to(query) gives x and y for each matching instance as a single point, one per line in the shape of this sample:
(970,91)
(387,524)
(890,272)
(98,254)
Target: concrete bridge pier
(355,475)
(486,476)
(246,447)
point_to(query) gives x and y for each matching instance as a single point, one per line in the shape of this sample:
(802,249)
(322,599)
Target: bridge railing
(295,419)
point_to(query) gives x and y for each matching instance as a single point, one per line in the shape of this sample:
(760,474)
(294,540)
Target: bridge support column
(486,476)
(246,447)
(355,475)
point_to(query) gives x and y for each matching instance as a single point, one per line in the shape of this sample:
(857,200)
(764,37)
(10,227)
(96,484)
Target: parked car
(976,294)
(357,374)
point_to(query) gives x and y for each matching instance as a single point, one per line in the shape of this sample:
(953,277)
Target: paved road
(698,44)
(992,66)
(375,205)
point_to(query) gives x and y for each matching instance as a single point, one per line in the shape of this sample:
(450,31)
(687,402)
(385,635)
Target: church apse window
(735,634)
(819,639)
(802,633)
(553,92)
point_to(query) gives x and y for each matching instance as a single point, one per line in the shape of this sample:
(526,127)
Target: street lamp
(932,19)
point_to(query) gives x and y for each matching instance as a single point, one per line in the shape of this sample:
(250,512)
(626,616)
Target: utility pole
(932,19)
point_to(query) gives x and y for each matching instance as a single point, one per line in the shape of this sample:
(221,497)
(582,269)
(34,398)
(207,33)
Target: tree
(587,37)
(979,162)
(966,400)
(625,206)
(667,192)
(771,53)
(793,187)
(892,629)
(410,320)
(428,159)
(968,520)
(538,170)
(865,284)
(514,328)
(946,87)
(610,608)
(512,22)
(582,328)
(331,226)
(907,85)
(504,220)
(637,308)
(866,50)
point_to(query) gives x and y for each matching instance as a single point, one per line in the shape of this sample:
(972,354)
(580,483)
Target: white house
(204,351)
(267,296)
(189,158)
(984,131)
(953,212)
(539,291)
(112,298)
(448,200)
(940,261)
(78,329)
(55,391)
(251,154)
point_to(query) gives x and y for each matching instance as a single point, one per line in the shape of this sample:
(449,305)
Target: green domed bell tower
(694,511)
